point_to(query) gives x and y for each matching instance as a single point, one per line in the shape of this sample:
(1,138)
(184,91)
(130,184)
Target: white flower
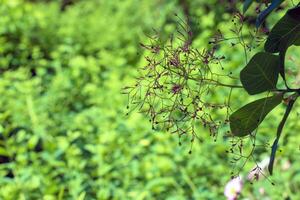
(233,188)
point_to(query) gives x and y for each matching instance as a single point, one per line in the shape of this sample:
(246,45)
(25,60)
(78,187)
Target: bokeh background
(63,129)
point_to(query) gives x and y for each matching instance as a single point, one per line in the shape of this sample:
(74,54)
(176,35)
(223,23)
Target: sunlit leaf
(245,120)
(261,73)
(247,4)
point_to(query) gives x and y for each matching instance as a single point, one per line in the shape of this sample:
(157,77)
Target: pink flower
(233,188)
(262,191)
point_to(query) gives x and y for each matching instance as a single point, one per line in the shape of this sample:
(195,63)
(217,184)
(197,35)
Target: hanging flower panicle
(175,86)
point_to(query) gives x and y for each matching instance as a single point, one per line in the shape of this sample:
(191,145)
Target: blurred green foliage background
(63,129)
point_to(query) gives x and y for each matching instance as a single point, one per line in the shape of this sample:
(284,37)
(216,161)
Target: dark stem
(279,131)
(287,90)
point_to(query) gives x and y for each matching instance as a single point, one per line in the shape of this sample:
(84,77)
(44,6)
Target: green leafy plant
(63,130)
(178,78)
(261,75)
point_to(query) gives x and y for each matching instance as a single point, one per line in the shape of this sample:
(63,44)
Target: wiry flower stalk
(175,87)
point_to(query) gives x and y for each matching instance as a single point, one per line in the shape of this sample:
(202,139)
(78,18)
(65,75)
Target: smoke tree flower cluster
(175,87)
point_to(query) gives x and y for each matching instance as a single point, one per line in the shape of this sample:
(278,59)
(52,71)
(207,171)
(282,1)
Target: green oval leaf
(261,73)
(285,33)
(247,4)
(245,120)
(297,42)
